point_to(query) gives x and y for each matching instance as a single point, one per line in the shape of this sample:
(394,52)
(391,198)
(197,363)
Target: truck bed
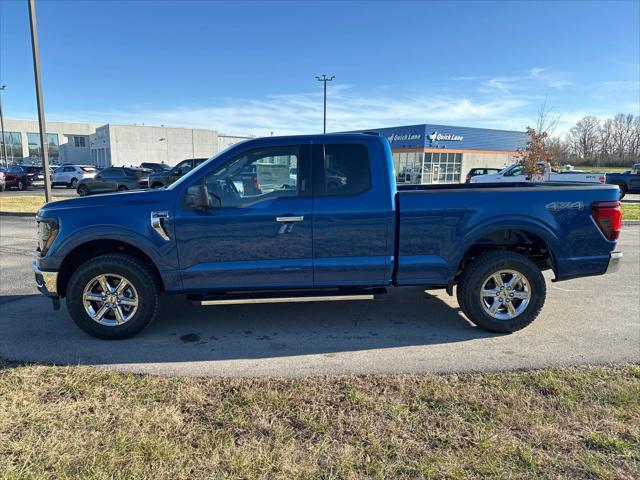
(438,224)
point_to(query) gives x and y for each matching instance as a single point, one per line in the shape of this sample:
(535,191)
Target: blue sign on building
(453,138)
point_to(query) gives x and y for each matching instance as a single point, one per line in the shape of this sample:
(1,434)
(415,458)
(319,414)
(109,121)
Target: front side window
(112,173)
(255,176)
(346,170)
(514,172)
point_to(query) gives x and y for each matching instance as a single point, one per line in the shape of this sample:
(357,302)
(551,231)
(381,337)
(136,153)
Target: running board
(248,299)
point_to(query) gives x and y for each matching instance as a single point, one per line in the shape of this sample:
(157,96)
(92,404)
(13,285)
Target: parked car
(24,176)
(627,182)
(515,174)
(2,180)
(156,167)
(162,179)
(114,179)
(481,171)
(111,256)
(70,175)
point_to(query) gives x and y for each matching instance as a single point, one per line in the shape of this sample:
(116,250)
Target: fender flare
(505,222)
(109,232)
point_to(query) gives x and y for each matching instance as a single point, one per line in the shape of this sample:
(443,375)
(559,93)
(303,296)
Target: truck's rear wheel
(501,291)
(112,296)
(623,190)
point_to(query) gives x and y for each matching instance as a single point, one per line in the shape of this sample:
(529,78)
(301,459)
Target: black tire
(1,188)
(122,188)
(74,183)
(137,273)
(483,266)
(21,185)
(82,190)
(623,190)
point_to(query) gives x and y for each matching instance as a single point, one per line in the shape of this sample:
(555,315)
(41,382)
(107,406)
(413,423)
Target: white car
(70,175)
(515,174)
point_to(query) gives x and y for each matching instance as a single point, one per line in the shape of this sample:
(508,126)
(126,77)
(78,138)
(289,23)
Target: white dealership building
(110,144)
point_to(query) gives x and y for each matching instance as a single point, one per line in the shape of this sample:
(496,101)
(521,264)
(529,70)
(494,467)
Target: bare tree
(584,138)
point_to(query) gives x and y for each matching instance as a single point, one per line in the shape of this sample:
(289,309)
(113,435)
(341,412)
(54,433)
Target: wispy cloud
(536,77)
(302,113)
(505,102)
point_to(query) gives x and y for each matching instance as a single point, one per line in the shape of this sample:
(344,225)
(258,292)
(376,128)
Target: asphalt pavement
(592,320)
(55,192)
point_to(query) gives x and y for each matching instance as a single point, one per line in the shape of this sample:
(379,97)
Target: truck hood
(158,198)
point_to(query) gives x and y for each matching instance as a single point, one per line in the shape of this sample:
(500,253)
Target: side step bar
(239,298)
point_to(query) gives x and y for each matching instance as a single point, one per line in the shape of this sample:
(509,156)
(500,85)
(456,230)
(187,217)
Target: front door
(258,233)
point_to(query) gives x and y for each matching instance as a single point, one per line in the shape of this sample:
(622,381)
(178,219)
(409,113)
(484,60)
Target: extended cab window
(255,176)
(346,170)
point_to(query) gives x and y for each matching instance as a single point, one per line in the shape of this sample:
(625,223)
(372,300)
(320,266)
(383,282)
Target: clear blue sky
(249,67)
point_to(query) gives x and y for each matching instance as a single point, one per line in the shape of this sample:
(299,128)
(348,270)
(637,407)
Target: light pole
(43,127)
(4,142)
(324,79)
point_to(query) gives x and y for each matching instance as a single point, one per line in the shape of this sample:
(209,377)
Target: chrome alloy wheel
(110,299)
(505,294)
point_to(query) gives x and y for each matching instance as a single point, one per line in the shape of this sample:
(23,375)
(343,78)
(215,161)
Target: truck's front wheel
(501,291)
(112,296)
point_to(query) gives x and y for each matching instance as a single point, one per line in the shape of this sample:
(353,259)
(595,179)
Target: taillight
(256,183)
(608,216)
(602,179)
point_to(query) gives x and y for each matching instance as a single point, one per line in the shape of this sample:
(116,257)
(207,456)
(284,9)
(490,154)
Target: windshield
(193,172)
(506,169)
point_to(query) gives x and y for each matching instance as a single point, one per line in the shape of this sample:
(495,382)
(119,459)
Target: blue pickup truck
(311,218)
(627,182)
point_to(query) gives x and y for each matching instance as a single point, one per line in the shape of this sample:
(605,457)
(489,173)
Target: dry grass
(630,211)
(88,423)
(22,203)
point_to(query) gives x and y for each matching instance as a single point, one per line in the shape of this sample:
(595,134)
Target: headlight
(47,232)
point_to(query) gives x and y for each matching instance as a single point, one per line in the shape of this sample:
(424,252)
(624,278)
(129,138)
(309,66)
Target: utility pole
(44,145)
(324,79)
(4,141)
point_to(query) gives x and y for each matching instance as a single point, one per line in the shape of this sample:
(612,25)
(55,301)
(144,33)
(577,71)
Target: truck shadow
(185,333)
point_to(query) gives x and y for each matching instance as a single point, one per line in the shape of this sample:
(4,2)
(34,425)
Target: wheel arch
(533,240)
(93,248)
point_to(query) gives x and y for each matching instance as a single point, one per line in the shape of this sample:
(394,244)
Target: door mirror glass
(197,198)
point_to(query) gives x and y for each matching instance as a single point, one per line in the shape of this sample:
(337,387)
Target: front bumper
(47,282)
(615,260)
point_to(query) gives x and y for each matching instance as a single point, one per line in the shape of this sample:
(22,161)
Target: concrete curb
(630,222)
(17,214)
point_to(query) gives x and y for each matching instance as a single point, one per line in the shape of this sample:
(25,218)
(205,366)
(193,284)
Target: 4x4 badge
(555,206)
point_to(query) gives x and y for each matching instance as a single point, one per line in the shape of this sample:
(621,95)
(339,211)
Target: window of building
(346,170)
(13,144)
(35,152)
(79,141)
(255,176)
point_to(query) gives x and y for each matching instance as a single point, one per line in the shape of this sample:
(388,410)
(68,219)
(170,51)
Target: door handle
(298,218)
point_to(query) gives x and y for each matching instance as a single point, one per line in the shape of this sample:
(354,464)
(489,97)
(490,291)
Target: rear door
(352,216)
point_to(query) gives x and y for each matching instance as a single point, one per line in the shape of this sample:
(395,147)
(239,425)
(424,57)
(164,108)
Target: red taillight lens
(608,216)
(602,179)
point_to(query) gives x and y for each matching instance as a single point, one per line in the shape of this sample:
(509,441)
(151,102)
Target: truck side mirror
(197,198)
